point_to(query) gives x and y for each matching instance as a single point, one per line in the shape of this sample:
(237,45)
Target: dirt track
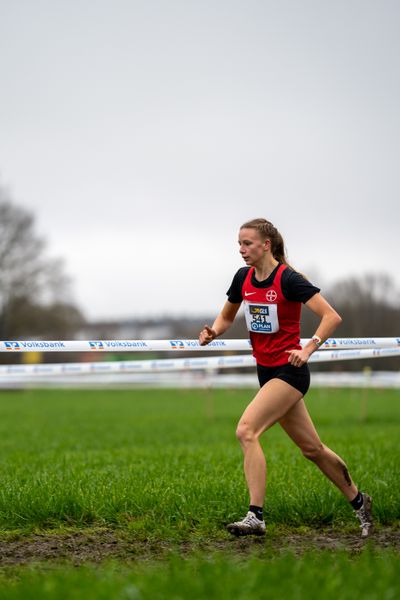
(82,547)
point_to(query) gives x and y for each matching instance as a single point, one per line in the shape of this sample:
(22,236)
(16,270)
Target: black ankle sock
(257,510)
(357,502)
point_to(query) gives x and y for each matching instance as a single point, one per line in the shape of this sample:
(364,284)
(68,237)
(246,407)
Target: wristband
(317,340)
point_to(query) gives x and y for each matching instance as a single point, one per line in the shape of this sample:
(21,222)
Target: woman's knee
(245,433)
(313,451)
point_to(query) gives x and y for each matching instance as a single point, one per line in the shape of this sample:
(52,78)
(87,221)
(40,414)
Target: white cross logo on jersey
(271,295)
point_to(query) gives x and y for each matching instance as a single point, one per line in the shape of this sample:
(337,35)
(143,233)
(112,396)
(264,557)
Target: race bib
(261,318)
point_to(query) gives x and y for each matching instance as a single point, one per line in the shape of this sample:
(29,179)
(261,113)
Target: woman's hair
(268,231)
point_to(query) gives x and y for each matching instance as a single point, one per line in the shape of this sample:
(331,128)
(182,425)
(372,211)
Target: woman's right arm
(221,323)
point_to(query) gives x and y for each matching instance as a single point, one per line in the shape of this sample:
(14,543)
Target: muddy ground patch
(97,546)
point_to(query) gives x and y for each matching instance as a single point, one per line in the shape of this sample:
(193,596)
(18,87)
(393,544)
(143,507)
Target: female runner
(272,293)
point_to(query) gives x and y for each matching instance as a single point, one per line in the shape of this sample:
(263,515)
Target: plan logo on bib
(271,295)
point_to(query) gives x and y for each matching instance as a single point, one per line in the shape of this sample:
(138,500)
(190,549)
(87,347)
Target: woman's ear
(267,244)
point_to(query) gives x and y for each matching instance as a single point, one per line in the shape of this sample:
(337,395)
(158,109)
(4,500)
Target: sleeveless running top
(272,320)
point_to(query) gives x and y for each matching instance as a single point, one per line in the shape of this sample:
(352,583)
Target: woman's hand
(207,335)
(298,358)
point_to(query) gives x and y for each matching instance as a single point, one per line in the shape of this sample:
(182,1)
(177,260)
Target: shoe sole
(368,506)
(237,532)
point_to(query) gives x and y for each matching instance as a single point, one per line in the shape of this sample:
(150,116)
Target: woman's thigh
(270,404)
(299,426)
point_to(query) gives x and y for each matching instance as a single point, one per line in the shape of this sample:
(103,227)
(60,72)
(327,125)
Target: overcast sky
(142,134)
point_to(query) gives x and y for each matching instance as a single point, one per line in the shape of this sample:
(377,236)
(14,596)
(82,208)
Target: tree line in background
(35,295)
(36,302)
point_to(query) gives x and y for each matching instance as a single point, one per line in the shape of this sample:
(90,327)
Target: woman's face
(251,247)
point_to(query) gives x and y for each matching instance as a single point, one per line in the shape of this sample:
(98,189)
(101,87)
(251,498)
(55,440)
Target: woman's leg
(270,404)
(298,425)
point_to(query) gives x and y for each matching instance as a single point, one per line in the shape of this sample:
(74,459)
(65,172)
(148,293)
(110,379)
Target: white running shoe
(364,515)
(250,525)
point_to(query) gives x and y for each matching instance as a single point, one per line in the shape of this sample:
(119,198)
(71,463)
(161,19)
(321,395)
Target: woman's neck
(264,270)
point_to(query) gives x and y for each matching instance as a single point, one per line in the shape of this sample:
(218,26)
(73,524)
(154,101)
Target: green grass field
(147,480)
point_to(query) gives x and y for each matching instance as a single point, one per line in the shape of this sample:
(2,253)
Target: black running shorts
(297,377)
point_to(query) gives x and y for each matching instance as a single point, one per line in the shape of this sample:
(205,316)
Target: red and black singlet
(272,310)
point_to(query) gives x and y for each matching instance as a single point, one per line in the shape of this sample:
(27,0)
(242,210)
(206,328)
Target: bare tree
(370,307)
(34,290)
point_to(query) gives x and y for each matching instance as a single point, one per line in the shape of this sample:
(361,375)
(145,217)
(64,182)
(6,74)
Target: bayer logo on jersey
(271,295)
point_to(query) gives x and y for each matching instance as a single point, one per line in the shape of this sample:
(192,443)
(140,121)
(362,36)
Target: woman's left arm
(329,321)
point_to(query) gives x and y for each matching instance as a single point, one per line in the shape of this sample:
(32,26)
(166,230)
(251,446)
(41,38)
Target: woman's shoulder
(290,273)
(296,286)
(242,271)
(241,275)
(235,291)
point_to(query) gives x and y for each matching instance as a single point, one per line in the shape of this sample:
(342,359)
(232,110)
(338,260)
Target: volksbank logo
(177,344)
(12,345)
(33,345)
(96,345)
(330,343)
(126,344)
